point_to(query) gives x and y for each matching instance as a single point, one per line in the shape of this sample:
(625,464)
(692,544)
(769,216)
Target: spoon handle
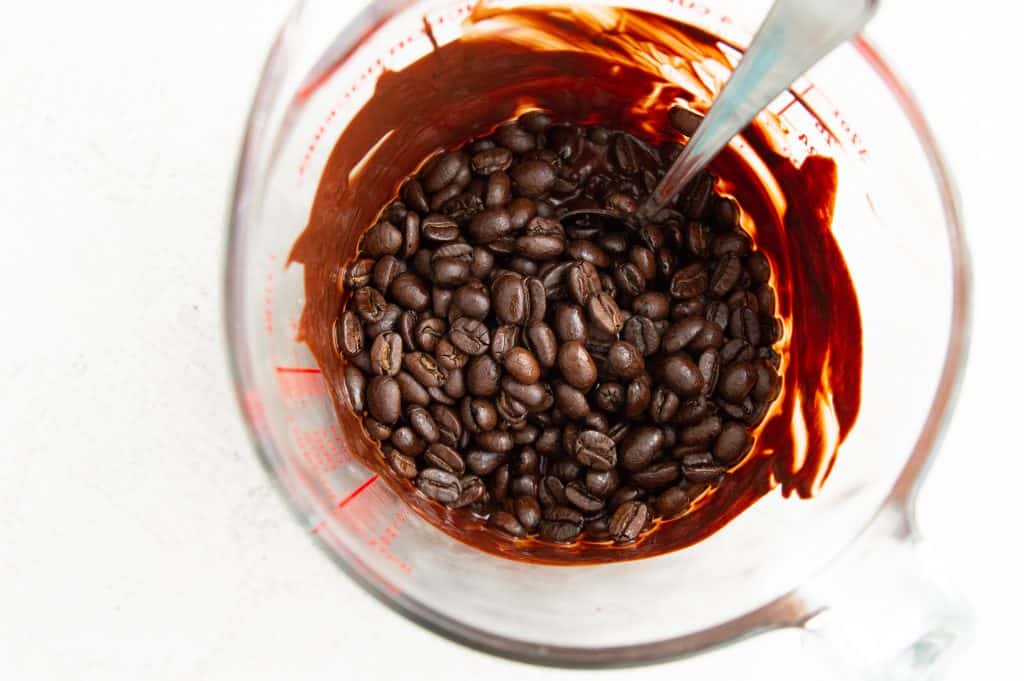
(795,35)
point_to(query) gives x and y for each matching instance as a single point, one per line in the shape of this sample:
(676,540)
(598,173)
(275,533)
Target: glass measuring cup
(781,563)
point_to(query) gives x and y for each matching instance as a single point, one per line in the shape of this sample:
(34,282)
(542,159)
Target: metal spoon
(795,35)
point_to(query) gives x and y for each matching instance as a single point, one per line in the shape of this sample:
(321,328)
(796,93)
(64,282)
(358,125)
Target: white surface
(139,539)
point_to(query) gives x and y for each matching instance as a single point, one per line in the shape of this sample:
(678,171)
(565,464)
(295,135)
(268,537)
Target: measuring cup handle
(883,612)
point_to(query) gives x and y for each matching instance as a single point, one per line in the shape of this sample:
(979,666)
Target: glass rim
(784,611)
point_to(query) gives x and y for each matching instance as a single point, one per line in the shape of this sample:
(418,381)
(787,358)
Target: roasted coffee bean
(533,178)
(577,494)
(472,300)
(403,466)
(382,239)
(422,423)
(369,304)
(348,334)
(482,263)
(767,386)
(701,467)
(702,432)
(681,375)
(640,446)
(736,350)
(657,475)
(473,490)
(523,486)
(355,388)
(495,441)
(491,160)
(664,405)
(541,340)
(595,450)
(628,521)
(732,443)
(743,323)
(388,322)
(413,195)
(483,462)
(528,512)
(610,396)
(561,524)
(522,365)
(478,415)
(725,276)
(439,485)
(628,278)
(736,381)
(386,269)
(509,297)
(504,339)
(489,225)
(624,360)
(424,369)
(361,361)
(708,365)
(604,313)
(637,397)
(601,483)
(696,196)
(582,281)
(689,282)
(384,399)
(357,275)
(439,228)
(377,430)
(576,365)
(386,354)
(570,401)
(470,336)
(500,483)
(507,523)
(717,312)
(640,332)
(551,491)
(570,323)
(651,304)
(624,495)
(536,299)
(428,332)
(449,357)
(407,328)
(671,502)
(445,458)
(587,251)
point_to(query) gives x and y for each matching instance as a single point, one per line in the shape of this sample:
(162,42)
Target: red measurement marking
(796,98)
(298,370)
(344,502)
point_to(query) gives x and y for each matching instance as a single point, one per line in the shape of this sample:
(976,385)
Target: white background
(139,539)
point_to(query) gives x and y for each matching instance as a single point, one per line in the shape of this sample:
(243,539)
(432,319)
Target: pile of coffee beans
(563,380)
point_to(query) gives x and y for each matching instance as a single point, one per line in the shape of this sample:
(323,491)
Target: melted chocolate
(604,66)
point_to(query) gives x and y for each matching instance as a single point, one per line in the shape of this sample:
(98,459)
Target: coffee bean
(355,388)
(689,282)
(624,360)
(702,432)
(561,525)
(522,365)
(628,521)
(386,354)
(604,313)
(541,340)
(601,484)
(657,475)
(472,300)
(357,275)
(470,336)
(491,160)
(439,228)
(595,450)
(651,304)
(483,462)
(489,225)
(428,332)
(528,512)
(347,334)
(664,405)
(570,401)
(681,375)
(587,251)
(610,396)
(424,369)
(671,502)
(577,495)
(736,381)
(732,443)
(576,365)
(533,178)
(628,278)
(695,197)
(551,492)
(624,495)
(640,446)
(638,397)
(384,399)
(382,239)
(445,458)
(768,386)
(642,334)
(473,490)
(733,242)
(403,466)
(448,357)
(701,468)
(570,323)
(582,281)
